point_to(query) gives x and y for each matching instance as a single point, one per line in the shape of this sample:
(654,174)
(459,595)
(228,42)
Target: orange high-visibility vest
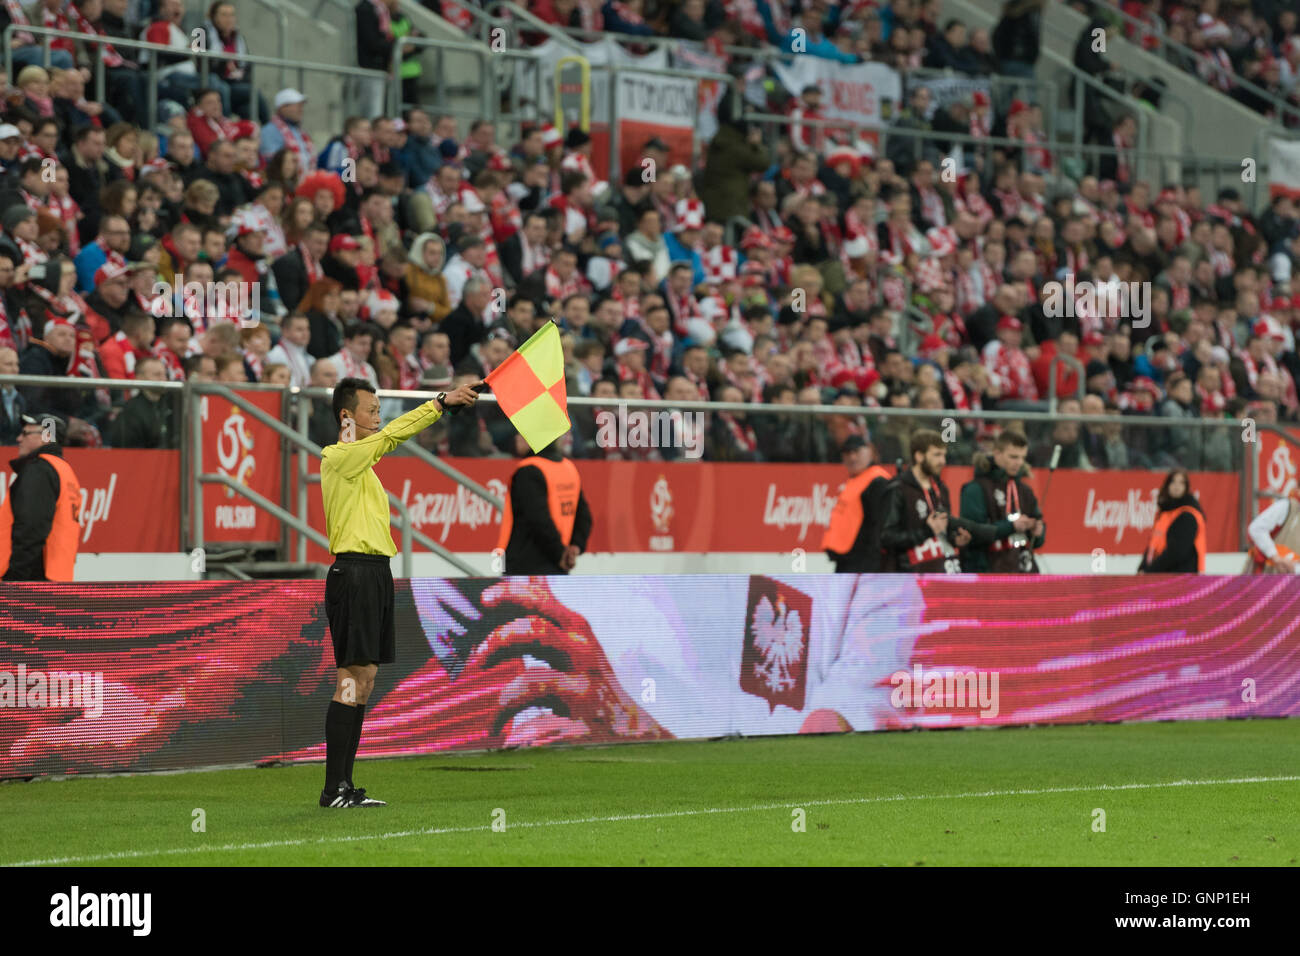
(65,531)
(563,488)
(1160,531)
(846,516)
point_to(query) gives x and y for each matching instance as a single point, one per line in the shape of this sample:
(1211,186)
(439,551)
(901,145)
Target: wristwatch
(441,399)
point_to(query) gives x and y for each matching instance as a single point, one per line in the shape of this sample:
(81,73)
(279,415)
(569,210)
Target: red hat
(782,234)
(844,154)
(344,241)
(110,271)
(59,322)
(1017,106)
(551,136)
(1010,322)
(1094,338)
(931,344)
(979,98)
(755,238)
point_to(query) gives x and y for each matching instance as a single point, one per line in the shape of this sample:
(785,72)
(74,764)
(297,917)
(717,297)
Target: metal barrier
(1046,92)
(193,478)
(1161,159)
(1286,112)
(303,67)
(496,72)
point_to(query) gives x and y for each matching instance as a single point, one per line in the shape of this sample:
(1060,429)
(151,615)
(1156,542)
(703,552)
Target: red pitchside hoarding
(707,507)
(130,500)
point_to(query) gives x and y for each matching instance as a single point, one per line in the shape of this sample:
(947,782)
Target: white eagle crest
(778,637)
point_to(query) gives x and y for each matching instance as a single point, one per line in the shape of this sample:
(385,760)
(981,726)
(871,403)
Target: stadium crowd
(418,252)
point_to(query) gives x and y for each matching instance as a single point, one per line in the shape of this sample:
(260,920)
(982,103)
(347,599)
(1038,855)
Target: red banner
(704,507)
(130,500)
(238,445)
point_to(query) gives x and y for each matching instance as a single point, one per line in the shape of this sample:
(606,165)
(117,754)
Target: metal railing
(490,85)
(205,57)
(1199,164)
(301,444)
(1283,109)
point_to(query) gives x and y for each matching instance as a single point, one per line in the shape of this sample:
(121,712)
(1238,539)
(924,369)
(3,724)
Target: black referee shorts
(359,606)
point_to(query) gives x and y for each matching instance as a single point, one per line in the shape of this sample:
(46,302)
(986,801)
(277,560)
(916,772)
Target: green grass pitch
(1188,793)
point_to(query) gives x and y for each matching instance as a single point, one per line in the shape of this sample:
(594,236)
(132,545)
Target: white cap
(8,131)
(288,97)
(857,248)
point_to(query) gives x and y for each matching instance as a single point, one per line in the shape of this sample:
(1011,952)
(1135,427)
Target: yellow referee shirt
(356,505)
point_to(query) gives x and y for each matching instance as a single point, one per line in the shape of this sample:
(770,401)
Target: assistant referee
(359,586)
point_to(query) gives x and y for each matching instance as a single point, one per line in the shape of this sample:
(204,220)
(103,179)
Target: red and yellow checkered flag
(530,389)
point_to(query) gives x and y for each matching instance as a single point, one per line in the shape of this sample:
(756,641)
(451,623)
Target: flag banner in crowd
(850,92)
(946,90)
(530,388)
(650,105)
(662,657)
(1284,167)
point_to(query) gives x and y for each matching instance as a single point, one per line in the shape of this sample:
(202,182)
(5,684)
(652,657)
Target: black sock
(358,715)
(338,737)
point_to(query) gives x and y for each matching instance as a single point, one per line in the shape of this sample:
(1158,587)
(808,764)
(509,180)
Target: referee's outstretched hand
(465,395)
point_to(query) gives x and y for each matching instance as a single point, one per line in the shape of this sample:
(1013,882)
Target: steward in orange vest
(39,519)
(546,522)
(1178,542)
(853,539)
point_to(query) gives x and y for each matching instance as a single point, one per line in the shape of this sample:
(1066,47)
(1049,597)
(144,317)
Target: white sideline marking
(621,818)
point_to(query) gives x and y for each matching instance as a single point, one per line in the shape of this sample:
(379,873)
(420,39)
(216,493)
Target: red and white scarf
(17,334)
(296,139)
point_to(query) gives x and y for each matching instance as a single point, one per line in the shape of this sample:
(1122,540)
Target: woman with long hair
(285,169)
(1177,543)
(296,217)
(321,306)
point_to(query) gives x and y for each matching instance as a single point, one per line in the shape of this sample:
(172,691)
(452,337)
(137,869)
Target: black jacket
(374,50)
(326,335)
(84,184)
(291,278)
(233,189)
(535,546)
(464,328)
(1179,556)
(144,423)
(9,428)
(34,495)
